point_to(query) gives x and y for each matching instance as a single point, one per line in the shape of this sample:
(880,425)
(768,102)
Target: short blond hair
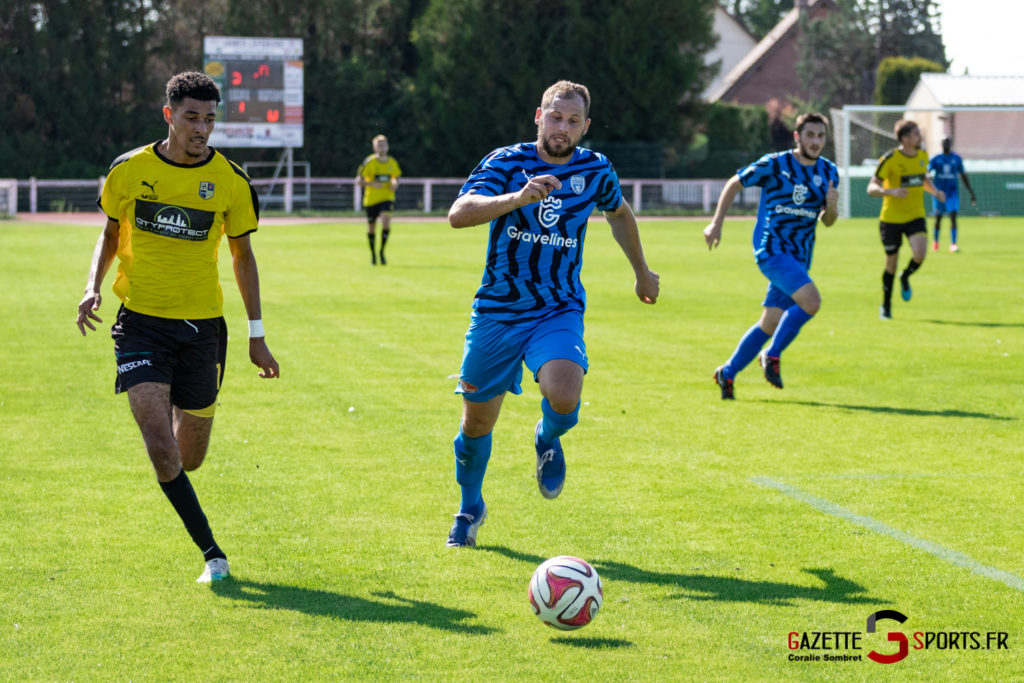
(563,90)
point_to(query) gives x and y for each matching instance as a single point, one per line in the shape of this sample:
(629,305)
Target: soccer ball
(565,593)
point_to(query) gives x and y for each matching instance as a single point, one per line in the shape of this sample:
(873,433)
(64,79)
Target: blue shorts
(951,205)
(785,275)
(492,362)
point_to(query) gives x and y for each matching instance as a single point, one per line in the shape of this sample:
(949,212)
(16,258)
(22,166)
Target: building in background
(767,74)
(734,43)
(980,134)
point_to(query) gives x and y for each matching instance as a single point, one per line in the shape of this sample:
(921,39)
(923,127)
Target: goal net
(989,139)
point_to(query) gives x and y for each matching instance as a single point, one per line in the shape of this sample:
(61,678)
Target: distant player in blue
(537,197)
(945,168)
(798,187)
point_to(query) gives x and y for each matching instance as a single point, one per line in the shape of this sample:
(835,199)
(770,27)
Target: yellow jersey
(172,217)
(374,170)
(896,169)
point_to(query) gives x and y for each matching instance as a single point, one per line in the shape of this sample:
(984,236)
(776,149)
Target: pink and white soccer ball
(566,593)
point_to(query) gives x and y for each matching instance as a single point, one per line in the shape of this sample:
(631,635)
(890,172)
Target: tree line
(81,81)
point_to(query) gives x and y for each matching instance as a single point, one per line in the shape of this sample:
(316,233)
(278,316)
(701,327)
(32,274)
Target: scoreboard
(260,81)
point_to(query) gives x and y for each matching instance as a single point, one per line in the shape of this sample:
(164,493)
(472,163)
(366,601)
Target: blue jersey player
(537,197)
(945,168)
(798,187)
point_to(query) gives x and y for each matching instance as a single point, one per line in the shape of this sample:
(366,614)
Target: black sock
(887,280)
(909,270)
(183,497)
(369,236)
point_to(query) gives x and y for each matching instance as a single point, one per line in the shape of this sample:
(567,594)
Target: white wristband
(256,329)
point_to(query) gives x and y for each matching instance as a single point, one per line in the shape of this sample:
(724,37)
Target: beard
(550,150)
(803,151)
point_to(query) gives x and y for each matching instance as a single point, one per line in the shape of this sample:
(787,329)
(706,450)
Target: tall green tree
(898,76)
(356,64)
(906,28)
(837,57)
(75,79)
(840,53)
(482,71)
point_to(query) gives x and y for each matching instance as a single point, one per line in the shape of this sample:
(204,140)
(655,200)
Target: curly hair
(192,84)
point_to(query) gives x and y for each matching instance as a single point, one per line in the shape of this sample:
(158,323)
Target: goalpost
(990,140)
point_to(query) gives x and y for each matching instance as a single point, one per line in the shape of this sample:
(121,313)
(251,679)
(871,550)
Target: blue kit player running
(798,187)
(945,168)
(537,197)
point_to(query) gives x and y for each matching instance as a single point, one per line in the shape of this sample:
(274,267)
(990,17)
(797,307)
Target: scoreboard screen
(260,81)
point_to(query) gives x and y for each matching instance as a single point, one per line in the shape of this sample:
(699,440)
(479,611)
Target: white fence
(424,195)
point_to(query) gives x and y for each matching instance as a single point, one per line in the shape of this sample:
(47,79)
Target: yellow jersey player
(167,205)
(378,176)
(901,180)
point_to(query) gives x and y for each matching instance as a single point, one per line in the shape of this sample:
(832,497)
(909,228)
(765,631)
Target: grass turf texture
(332,488)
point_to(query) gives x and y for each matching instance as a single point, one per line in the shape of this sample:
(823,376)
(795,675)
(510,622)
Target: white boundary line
(951,556)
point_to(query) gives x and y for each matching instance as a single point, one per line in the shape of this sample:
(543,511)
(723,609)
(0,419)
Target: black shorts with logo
(187,354)
(892,233)
(377,209)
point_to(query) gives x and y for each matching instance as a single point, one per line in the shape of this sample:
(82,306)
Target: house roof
(971,91)
(733,44)
(783,30)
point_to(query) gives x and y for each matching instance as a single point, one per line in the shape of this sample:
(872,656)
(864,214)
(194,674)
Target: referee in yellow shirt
(901,180)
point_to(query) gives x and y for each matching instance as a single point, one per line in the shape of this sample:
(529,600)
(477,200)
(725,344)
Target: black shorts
(892,233)
(187,354)
(377,209)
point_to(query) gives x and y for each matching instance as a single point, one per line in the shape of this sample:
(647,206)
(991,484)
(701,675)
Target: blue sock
(789,326)
(471,456)
(556,424)
(746,351)
(952,235)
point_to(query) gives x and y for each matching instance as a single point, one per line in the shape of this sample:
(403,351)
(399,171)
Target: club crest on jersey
(800,194)
(578,183)
(818,181)
(206,189)
(547,212)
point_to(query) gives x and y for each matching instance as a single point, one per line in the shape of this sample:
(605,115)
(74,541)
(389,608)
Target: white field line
(943,553)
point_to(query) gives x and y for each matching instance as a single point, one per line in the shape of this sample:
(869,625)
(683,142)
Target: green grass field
(886,476)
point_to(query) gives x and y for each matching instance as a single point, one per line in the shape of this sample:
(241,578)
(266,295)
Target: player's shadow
(725,588)
(960,323)
(916,412)
(391,608)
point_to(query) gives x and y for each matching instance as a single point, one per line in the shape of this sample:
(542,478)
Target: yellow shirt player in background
(167,206)
(378,176)
(901,180)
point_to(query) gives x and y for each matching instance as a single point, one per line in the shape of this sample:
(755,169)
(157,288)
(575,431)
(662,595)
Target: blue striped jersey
(534,254)
(792,196)
(946,167)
